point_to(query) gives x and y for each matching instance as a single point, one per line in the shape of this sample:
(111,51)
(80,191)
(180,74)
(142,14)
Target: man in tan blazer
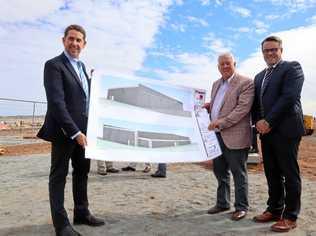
(231,100)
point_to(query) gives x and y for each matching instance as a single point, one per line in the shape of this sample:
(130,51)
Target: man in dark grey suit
(67,90)
(278,116)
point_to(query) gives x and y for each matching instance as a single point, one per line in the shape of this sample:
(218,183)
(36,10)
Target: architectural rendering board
(144,121)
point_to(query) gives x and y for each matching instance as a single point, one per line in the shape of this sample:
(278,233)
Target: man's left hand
(263,126)
(82,140)
(213,125)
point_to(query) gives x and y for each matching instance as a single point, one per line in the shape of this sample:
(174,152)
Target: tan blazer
(234,115)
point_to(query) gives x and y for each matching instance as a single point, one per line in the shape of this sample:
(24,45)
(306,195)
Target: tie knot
(270,68)
(78,64)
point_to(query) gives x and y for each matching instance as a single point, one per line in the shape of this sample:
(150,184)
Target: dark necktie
(264,84)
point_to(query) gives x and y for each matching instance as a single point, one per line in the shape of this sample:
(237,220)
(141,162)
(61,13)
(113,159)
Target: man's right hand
(207,106)
(81,140)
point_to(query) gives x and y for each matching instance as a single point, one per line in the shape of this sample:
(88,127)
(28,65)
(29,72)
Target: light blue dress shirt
(219,98)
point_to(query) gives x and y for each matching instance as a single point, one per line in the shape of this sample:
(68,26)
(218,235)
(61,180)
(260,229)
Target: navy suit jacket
(66,101)
(281,99)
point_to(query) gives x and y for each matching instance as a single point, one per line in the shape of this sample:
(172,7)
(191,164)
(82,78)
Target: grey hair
(226,54)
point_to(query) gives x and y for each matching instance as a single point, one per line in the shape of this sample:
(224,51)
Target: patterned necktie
(83,79)
(84,84)
(264,84)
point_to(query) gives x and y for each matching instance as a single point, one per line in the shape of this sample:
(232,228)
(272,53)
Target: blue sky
(170,40)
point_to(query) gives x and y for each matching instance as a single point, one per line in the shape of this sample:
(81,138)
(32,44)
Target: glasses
(267,50)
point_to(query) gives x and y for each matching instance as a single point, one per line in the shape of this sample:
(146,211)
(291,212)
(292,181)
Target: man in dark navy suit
(67,90)
(278,116)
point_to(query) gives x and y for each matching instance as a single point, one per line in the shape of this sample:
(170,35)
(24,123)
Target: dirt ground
(307,154)
(136,204)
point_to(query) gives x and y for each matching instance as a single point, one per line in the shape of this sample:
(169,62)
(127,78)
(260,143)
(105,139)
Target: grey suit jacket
(234,115)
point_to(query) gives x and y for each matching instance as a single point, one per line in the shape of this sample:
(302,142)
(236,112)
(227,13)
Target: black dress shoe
(67,231)
(88,220)
(158,175)
(112,170)
(216,209)
(128,168)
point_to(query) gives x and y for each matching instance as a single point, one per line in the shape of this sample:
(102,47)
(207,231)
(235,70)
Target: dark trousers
(234,160)
(62,151)
(283,174)
(162,168)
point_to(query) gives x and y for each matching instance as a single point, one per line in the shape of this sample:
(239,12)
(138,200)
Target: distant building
(143,138)
(148,98)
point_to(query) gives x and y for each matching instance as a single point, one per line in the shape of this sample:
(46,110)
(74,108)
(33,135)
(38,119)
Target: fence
(20,117)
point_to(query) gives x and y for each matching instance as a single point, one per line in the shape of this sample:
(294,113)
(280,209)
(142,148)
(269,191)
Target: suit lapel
(275,70)
(72,70)
(213,95)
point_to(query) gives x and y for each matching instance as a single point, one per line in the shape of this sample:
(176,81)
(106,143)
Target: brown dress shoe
(266,217)
(216,209)
(238,215)
(283,225)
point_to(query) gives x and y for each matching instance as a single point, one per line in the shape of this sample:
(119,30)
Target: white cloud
(242,11)
(215,44)
(208,2)
(313,19)
(118,34)
(179,2)
(15,11)
(295,5)
(298,44)
(243,29)
(178,27)
(272,17)
(198,71)
(205,2)
(197,21)
(260,27)
(290,7)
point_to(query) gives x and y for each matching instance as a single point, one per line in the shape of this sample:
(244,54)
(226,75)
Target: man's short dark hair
(272,38)
(77,28)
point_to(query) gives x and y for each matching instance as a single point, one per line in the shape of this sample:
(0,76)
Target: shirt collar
(229,79)
(275,65)
(70,58)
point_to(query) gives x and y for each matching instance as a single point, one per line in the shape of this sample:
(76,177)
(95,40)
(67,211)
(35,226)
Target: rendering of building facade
(148,98)
(143,138)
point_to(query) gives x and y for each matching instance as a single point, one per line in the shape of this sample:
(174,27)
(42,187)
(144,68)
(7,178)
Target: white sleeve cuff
(75,135)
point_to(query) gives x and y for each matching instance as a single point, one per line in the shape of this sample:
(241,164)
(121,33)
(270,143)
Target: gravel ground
(136,204)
